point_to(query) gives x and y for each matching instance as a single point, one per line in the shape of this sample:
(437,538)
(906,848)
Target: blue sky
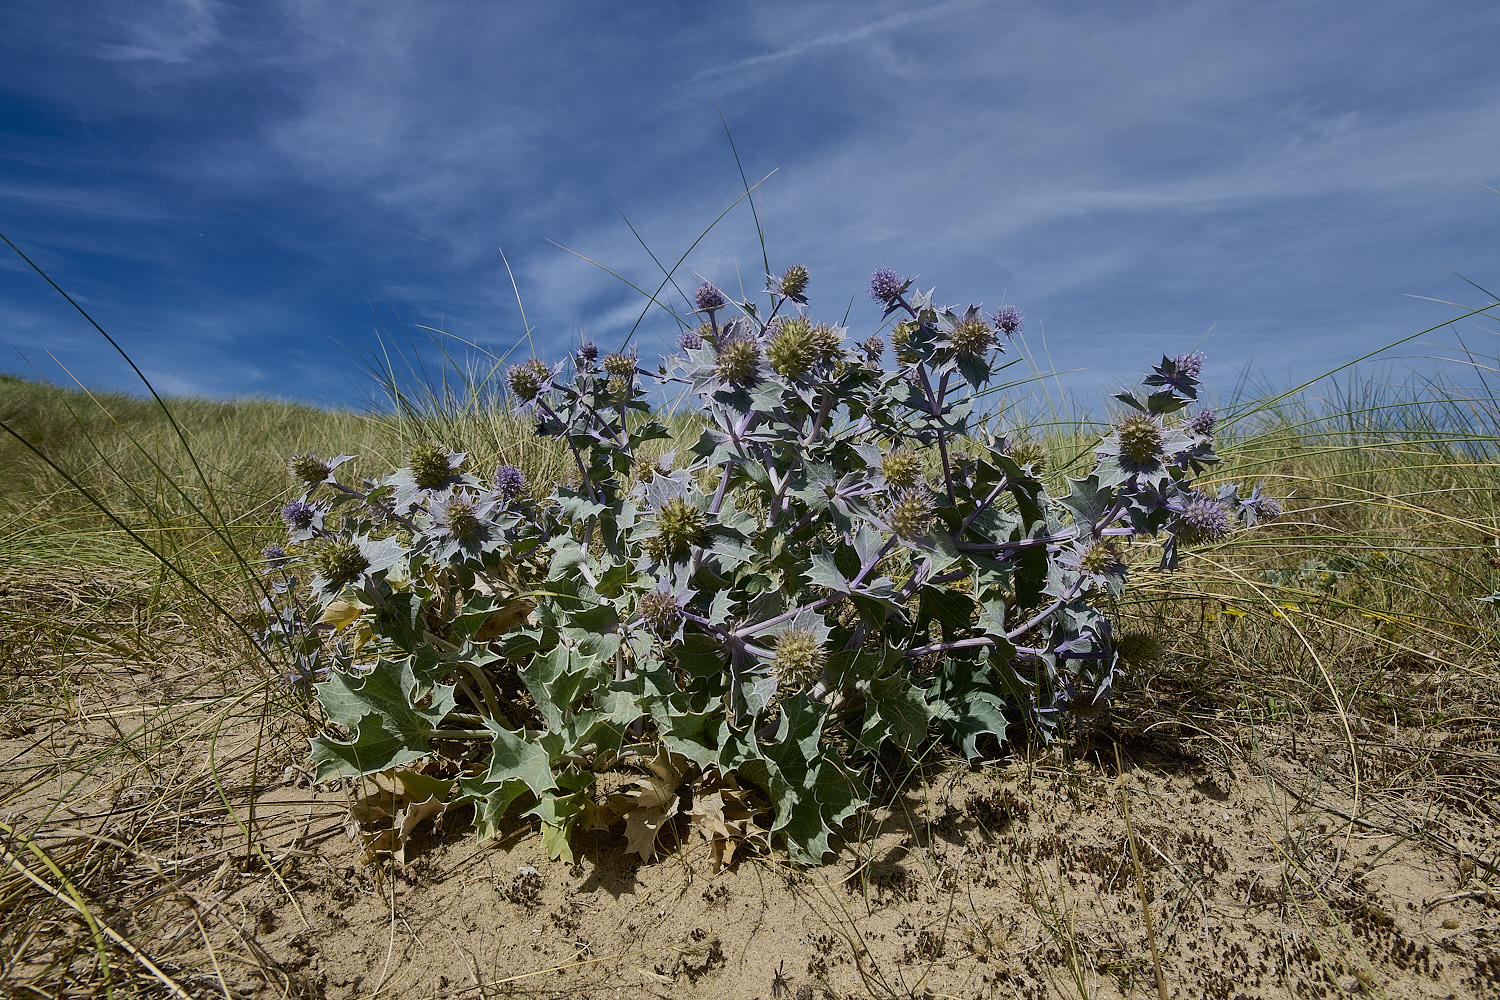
(243,193)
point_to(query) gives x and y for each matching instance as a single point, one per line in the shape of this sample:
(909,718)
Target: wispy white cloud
(168,31)
(1110,168)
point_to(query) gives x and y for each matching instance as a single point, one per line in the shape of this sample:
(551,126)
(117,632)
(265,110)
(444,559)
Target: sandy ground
(1318,862)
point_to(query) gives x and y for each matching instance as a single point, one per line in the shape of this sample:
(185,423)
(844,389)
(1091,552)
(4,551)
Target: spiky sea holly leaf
(372,750)
(491,800)
(895,710)
(951,609)
(597,728)
(400,620)
(688,723)
(559,814)
(794,747)
(975,370)
(824,572)
(558,677)
(392,712)
(992,618)
(513,757)
(594,630)
(1165,402)
(967,704)
(576,506)
(727,547)
(649,430)
(1088,500)
(811,811)
(702,656)
(382,553)
(755,692)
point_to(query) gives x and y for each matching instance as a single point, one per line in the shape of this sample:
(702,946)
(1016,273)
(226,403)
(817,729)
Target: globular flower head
(647,467)
(708,298)
(299,515)
(1141,439)
(275,556)
(738,363)
(1201,424)
(618,386)
(429,464)
(900,338)
(874,348)
(972,337)
(680,526)
(1008,320)
(1201,520)
(791,351)
(1259,507)
(794,282)
(901,467)
(691,340)
(1190,364)
(911,512)
(1030,453)
(308,468)
(800,658)
(1099,557)
(1180,374)
(827,341)
(588,353)
(528,379)
(1137,648)
(1267,508)
(886,286)
(619,365)
(510,482)
(660,613)
(341,562)
(460,518)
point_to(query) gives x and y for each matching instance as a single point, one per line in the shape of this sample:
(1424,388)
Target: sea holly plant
(720,640)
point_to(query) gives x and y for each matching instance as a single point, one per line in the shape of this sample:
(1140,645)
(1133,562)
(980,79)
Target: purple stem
(388,512)
(942,394)
(1023,543)
(583,474)
(994,495)
(734,435)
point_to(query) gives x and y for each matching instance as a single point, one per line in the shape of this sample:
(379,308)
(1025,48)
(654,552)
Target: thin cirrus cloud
(244,195)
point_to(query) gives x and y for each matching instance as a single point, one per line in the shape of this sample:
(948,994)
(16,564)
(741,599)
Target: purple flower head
(1189,365)
(1260,508)
(708,298)
(689,340)
(275,557)
(886,286)
(1201,424)
(874,348)
(1008,320)
(299,515)
(1201,520)
(589,352)
(510,482)
(1267,508)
